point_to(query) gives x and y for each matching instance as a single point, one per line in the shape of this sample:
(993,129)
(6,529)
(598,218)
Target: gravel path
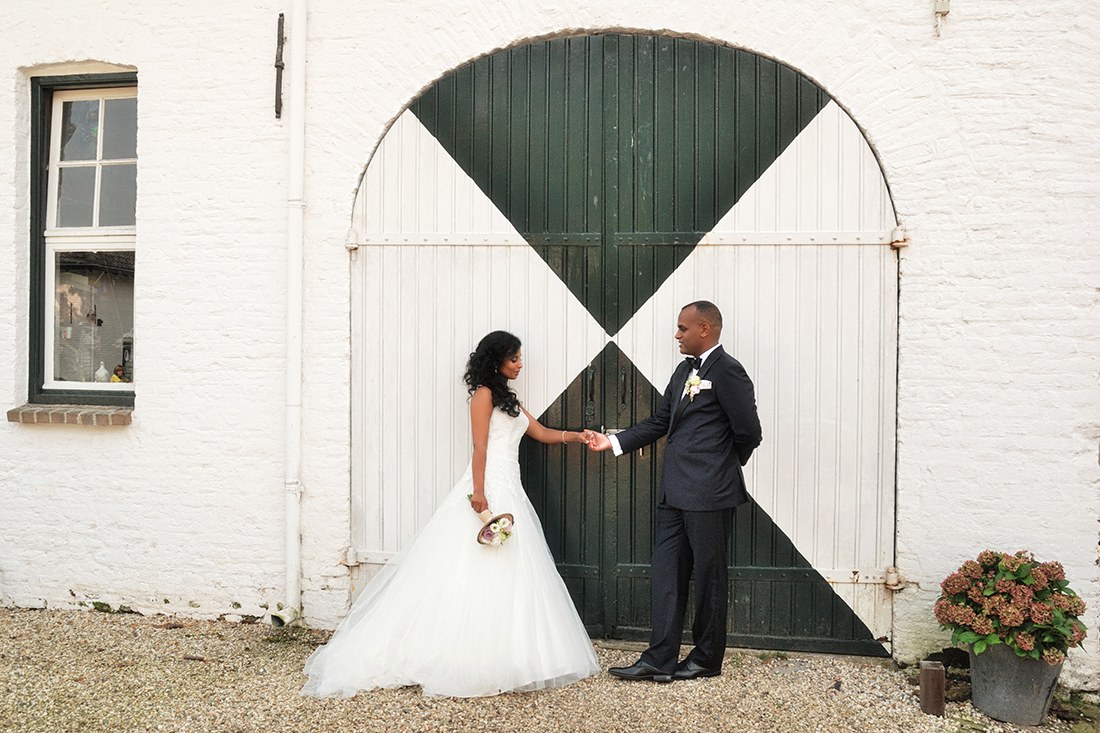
(91,671)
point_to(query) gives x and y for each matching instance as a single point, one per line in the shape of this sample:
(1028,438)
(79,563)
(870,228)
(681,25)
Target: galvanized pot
(1010,688)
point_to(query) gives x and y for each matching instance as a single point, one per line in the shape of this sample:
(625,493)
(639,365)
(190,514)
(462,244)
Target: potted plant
(1019,617)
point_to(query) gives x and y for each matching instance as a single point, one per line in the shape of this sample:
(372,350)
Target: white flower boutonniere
(695,385)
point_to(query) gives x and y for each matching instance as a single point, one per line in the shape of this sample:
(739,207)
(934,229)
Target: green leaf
(969,637)
(979,646)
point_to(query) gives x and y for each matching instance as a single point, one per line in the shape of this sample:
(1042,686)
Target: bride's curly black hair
(483,369)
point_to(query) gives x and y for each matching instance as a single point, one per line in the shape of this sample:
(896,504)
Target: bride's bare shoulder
(481,400)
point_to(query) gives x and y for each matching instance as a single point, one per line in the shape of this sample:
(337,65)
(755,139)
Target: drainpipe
(292,607)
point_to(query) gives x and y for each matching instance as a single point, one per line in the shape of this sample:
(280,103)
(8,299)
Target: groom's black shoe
(689,670)
(640,671)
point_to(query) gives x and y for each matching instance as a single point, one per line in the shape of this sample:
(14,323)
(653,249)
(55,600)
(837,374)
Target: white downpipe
(295,235)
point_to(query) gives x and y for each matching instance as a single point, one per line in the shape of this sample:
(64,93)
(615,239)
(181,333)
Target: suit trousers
(688,542)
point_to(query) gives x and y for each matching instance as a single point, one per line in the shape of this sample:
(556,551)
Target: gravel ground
(92,671)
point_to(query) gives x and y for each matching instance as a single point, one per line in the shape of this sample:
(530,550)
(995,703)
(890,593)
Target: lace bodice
(502,453)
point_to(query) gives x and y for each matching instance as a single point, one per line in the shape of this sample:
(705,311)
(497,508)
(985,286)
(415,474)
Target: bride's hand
(596,441)
(478,502)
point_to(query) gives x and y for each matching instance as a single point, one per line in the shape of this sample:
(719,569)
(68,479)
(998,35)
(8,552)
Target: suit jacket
(708,440)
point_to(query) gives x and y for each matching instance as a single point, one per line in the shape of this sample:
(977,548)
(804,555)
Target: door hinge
(894,579)
(353,557)
(843,576)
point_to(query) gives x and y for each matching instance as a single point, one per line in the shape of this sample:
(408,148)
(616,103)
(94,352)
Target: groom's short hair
(708,313)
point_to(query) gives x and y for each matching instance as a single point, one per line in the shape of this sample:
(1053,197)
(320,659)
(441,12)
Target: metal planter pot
(1011,689)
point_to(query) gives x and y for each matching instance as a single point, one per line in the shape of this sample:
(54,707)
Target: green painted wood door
(613,156)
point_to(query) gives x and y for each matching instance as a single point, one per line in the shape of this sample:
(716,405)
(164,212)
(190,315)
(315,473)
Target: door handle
(622,389)
(590,408)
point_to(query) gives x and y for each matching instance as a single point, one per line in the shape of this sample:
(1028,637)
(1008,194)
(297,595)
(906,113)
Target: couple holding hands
(464,620)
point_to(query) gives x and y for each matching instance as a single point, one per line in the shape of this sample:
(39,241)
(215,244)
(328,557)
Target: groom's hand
(596,441)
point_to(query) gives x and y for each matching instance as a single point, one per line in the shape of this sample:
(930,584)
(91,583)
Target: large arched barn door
(578,192)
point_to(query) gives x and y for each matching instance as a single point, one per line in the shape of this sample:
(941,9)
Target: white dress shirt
(616,448)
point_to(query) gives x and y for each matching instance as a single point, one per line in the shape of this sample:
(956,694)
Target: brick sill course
(71,415)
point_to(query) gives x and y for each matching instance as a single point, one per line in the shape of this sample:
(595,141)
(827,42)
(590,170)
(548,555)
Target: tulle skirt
(459,618)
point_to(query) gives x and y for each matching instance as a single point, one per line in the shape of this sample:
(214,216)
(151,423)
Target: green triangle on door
(613,155)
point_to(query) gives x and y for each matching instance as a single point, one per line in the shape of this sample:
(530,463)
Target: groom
(708,413)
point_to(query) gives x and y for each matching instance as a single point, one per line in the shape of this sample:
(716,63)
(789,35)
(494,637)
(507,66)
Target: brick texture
(71,415)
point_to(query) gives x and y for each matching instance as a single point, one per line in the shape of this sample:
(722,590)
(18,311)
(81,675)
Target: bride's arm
(549,435)
(481,409)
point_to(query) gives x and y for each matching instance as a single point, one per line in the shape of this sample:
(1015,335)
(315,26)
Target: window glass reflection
(75,196)
(117,195)
(94,317)
(79,129)
(120,128)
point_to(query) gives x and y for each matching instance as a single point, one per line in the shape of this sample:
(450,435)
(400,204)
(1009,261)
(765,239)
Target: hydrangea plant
(1014,600)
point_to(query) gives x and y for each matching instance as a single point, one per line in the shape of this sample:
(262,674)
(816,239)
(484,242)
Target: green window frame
(41,391)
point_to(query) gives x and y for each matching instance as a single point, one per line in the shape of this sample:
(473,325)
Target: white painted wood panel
(815,328)
(422,311)
(827,180)
(800,267)
(811,311)
(413,192)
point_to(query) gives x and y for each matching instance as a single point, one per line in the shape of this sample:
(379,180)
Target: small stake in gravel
(931,688)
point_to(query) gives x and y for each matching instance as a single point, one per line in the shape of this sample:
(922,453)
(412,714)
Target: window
(84,188)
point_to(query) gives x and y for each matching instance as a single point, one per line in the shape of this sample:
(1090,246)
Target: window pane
(117,195)
(120,129)
(94,317)
(75,196)
(79,129)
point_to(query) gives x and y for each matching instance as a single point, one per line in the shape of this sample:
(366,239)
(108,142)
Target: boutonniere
(694,386)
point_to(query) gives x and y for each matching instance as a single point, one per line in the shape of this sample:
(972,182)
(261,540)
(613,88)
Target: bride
(459,618)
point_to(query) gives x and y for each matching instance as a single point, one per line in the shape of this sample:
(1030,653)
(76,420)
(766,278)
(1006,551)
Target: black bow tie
(694,361)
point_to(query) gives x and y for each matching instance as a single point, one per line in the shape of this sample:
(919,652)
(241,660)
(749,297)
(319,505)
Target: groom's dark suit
(709,438)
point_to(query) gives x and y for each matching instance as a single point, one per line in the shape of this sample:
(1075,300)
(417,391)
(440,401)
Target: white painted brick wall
(988,136)
(181,511)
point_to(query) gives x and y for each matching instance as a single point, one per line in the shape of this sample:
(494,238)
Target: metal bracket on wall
(351,242)
(898,238)
(279,65)
(943,7)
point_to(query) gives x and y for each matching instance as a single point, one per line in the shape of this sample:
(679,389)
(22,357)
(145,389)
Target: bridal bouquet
(497,528)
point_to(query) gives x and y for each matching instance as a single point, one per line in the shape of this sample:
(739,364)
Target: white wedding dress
(459,618)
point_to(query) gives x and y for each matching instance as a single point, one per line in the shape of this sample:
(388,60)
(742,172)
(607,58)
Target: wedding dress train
(459,618)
